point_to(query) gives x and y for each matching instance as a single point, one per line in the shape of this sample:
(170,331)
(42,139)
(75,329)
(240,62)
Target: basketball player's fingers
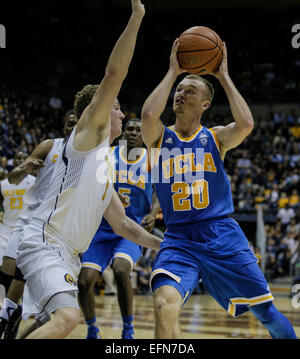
(37,163)
(40,162)
(224,51)
(148,227)
(138,7)
(148,224)
(148,218)
(175,46)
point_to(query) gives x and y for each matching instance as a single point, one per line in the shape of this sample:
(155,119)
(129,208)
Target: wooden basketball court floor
(201,318)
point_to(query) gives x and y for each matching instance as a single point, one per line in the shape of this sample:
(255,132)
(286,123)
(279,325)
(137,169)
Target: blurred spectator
(3,167)
(294,227)
(273,197)
(283,200)
(278,118)
(244,162)
(290,240)
(3,174)
(260,197)
(285,215)
(55,102)
(294,199)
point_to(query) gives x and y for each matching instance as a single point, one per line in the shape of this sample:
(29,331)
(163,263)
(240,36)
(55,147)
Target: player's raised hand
(174,64)
(34,165)
(222,70)
(137,7)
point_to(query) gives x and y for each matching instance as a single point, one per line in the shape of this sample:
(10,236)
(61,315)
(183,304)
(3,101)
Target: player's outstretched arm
(155,104)
(233,134)
(97,114)
(34,162)
(126,227)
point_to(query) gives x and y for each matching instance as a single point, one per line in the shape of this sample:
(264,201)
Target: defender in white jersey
(42,160)
(80,192)
(13,203)
(35,195)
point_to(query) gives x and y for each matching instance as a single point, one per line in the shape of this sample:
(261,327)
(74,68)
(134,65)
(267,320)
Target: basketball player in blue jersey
(132,183)
(194,193)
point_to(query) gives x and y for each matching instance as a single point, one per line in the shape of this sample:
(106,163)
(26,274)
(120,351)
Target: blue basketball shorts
(216,251)
(105,247)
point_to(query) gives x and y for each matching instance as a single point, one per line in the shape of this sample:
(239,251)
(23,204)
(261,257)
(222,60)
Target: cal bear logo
(69,279)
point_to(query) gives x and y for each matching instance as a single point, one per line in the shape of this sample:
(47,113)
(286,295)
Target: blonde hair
(209,87)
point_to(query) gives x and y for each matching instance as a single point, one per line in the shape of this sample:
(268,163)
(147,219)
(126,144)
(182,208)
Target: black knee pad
(5,280)
(18,275)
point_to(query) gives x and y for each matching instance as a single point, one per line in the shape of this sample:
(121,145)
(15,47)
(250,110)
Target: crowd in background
(54,58)
(264,170)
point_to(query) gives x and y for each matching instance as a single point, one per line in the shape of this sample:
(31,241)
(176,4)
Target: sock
(8,308)
(127,321)
(91,322)
(277,324)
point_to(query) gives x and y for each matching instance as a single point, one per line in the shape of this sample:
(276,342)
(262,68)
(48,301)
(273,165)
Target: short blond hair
(209,87)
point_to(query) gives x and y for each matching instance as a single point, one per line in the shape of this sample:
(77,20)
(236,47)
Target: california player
(194,193)
(42,161)
(79,194)
(12,197)
(132,182)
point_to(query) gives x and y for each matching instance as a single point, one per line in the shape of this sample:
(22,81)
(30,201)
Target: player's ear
(205,105)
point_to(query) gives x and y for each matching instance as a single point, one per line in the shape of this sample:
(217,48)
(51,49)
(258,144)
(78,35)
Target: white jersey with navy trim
(35,195)
(78,195)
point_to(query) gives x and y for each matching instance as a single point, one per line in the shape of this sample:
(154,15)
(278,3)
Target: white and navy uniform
(64,225)
(13,205)
(34,197)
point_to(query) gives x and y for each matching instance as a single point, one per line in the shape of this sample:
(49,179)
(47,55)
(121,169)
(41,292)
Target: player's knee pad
(19,275)
(5,280)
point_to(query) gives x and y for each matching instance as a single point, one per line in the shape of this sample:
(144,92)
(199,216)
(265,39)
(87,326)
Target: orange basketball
(200,50)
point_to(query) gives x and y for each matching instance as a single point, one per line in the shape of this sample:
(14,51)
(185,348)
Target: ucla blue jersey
(132,180)
(190,179)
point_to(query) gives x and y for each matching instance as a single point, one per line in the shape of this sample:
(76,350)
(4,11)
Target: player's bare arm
(148,222)
(155,104)
(126,227)
(94,124)
(32,163)
(232,135)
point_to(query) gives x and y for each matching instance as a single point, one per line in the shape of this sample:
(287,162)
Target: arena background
(54,48)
